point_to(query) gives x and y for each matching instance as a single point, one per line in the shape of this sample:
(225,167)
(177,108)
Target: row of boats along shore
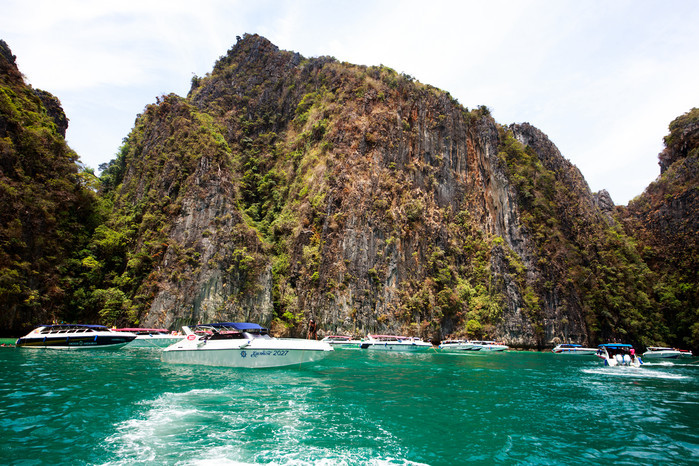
(244,344)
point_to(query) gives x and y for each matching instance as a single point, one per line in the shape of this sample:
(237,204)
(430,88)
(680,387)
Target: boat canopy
(141,330)
(242,326)
(397,337)
(615,345)
(67,326)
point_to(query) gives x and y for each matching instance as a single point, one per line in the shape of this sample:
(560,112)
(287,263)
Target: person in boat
(312,330)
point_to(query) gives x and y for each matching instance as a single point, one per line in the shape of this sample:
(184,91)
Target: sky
(602,78)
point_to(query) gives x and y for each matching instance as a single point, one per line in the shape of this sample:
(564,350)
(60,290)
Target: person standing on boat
(312,330)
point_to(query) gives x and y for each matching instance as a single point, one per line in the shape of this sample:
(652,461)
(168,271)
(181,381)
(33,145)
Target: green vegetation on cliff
(576,249)
(665,219)
(48,208)
(284,187)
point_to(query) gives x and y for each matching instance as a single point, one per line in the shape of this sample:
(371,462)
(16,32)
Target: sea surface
(354,407)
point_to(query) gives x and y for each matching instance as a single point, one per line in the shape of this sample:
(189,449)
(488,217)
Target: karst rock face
(354,195)
(283,188)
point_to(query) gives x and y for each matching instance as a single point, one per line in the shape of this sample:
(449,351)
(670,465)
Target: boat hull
(154,341)
(339,342)
(576,352)
(75,342)
(618,360)
(662,355)
(490,349)
(472,346)
(396,347)
(253,354)
(455,349)
(351,345)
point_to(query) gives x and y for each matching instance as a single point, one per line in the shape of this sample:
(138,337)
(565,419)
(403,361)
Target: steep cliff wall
(365,199)
(47,212)
(665,219)
(189,253)
(283,188)
(381,205)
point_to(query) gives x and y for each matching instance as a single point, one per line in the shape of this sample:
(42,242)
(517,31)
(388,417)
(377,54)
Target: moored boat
(342,342)
(238,344)
(487,345)
(74,336)
(663,352)
(573,349)
(456,346)
(618,354)
(148,337)
(395,343)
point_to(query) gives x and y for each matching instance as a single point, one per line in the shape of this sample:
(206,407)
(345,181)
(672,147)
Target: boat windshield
(72,328)
(144,331)
(246,330)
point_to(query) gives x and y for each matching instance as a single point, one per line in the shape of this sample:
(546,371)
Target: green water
(354,407)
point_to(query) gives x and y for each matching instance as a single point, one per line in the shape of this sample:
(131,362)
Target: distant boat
(395,343)
(618,354)
(74,336)
(242,344)
(149,337)
(456,346)
(488,345)
(662,352)
(342,342)
(573,349)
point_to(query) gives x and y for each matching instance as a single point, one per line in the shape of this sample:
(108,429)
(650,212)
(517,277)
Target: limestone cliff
(47,209)
(284,187)
(665,220)
(363,198)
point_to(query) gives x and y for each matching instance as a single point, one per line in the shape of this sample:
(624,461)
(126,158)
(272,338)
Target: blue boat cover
(615,345)
(235,325)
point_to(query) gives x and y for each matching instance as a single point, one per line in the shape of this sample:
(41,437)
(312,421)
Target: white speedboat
(342,342)
(149,337)
(395,343)
(487,345)
(662,352)
(570,348)
(456,346)
(236,344)
(618,354)
(74,336)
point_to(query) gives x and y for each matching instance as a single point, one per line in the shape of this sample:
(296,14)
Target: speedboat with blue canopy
(241,344)
(74,336)
(618,354)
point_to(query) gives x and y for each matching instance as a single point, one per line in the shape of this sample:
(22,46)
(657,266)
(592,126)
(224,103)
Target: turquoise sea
(354,407)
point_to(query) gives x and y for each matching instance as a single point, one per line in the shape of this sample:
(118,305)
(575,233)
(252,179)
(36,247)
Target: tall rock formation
(665,219)
(47,210)
(284,188)
(360,197)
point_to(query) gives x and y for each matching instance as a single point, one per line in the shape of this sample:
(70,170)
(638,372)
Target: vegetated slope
(47,210)
(665,219)
(284,187)
(357,195)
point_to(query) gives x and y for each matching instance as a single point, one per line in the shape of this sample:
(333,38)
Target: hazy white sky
(602,78)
